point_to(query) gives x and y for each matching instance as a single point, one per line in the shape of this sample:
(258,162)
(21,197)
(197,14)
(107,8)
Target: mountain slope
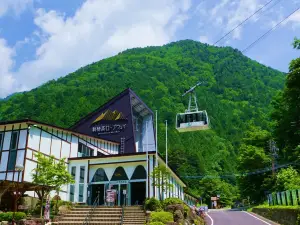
(237,95)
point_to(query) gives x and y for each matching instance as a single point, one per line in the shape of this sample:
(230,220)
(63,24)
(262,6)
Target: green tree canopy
(50,174)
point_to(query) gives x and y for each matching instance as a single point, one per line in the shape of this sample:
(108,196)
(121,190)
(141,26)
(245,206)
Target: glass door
(123,194)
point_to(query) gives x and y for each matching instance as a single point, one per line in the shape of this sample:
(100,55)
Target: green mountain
(237,95)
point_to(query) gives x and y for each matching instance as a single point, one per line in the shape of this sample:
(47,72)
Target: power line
(269,31)
(244,21)
(259,171)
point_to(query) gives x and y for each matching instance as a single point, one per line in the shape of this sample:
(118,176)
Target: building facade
(111,149)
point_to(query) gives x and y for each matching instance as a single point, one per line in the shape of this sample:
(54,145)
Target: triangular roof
(111,101)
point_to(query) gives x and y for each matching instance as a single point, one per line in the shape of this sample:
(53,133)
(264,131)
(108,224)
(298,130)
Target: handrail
(122,218)
(91,211)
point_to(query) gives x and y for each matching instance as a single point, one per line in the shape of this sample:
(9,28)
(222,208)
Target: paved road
(228,217)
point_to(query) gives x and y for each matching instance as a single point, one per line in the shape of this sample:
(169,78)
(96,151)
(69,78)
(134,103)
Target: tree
(252,159)
(211,187)
(287,179)
(161,179)
(287,111)
(49,174)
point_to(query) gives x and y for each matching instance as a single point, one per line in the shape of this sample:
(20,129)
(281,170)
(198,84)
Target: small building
(111,149)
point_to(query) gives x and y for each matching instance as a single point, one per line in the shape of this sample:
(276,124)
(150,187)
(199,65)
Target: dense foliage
(237,96)
(287,112)
(254,155)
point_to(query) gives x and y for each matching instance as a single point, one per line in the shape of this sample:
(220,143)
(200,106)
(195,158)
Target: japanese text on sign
(109,129)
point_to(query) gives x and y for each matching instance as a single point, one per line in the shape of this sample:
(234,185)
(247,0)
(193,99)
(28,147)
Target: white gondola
(192,119)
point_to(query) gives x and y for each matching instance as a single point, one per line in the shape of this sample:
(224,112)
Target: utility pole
(156,152)
(166,143)
(274,154)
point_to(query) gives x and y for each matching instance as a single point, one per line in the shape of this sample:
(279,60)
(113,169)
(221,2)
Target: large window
(84,150)
(72,186)
(82,173)
(81,183)
(13,150)
(14,140)
(99,176)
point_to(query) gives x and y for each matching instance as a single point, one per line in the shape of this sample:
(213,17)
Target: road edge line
(212,221)
(257,218)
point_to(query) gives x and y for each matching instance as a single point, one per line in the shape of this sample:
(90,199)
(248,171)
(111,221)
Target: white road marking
(212,221)
(257,218)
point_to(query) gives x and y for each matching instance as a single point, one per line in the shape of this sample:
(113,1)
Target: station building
(112,148)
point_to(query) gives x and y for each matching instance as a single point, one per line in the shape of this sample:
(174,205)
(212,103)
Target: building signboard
(109,122)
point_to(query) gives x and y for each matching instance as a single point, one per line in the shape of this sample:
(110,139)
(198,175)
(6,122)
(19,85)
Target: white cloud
(294,20)
(204,39)
(17,6)
(98,29)
(6,78)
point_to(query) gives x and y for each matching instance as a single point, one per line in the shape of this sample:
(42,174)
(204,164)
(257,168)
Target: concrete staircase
(134,215)
(103,215)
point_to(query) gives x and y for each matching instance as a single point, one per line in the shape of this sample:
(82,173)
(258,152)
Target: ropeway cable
(269,31)
(244,21)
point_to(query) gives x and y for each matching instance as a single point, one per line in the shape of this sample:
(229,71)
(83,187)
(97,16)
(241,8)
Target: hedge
(8,216)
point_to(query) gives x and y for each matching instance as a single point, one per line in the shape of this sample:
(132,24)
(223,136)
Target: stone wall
(282,216)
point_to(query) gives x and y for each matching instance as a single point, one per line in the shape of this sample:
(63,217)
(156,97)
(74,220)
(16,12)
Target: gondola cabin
(192,121)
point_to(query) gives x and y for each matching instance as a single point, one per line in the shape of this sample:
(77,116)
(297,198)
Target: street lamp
(19,168)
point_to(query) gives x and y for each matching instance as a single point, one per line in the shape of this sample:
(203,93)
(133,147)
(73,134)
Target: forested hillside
(237,96)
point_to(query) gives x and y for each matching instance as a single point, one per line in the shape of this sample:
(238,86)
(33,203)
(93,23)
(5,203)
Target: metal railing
(122,217)
(91,211)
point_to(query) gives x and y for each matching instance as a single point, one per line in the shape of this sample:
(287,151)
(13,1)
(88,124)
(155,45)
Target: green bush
(186,210)
(8,216)
(171,201)
(163,217)
(152,204)
(157,223)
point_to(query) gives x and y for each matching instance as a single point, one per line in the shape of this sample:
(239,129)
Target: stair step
(93,223)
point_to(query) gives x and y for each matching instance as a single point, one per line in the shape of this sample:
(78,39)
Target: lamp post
(17,194)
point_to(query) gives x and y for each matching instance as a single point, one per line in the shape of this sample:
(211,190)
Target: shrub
(186,210)
(9,215)
(152,204)
(157,223)
(172,201)
(20,216)
(163,217)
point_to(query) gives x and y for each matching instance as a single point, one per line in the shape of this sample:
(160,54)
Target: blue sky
(46,39)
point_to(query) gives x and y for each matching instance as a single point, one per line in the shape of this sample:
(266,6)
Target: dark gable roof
(123,93)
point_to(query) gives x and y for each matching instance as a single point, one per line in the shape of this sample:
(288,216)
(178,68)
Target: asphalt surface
(228,217)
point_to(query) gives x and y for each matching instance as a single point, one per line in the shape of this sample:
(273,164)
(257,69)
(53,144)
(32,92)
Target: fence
(290,197)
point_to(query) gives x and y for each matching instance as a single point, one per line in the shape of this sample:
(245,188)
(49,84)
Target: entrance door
(138,193)
(98,189)
(123,194)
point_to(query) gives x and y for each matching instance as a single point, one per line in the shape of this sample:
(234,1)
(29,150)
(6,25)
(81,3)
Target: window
(99,176)
(84,150)
(82,173)
(1,140)
(13,150)
(72,186)
(12,160)
(72,191)
(80,194)
(73,172)
(14,140)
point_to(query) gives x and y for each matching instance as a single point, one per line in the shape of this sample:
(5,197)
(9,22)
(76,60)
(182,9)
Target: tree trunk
(56,209)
